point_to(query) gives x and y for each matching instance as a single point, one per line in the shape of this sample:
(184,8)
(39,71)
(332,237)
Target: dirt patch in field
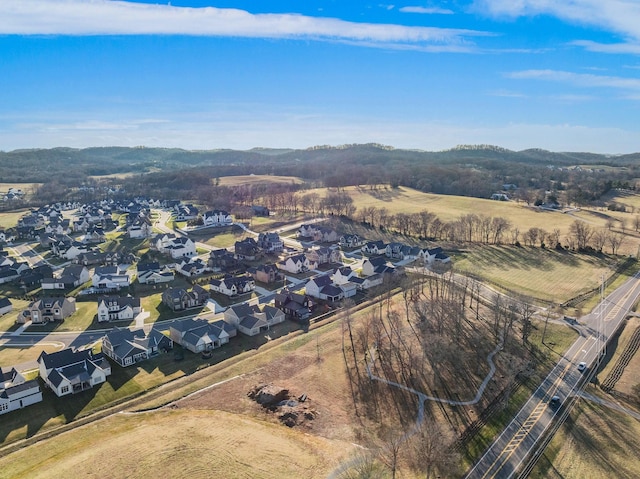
(315,370)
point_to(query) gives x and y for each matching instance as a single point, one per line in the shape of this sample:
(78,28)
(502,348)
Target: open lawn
(258,179)
(178,444)
(13,355)
(9,219)
(544,274)
(7,321)
(595,442)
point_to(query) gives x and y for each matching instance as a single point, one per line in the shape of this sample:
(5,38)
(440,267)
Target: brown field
(195,444)
(545,274)
(7,321)
(596,442)
(9,219)
(631,375)
(256,179)
(449,208)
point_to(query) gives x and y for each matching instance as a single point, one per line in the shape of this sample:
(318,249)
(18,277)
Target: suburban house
(362,284)
(48,310)
(186,212)
(71,372)
(191,267)
(247,249)
(309,231)
(198,335)
(294,305)
(297,264)
(222,260)
(118,308)
(16,392)
(351,241)
(324,255)
(343,275)
(97,257)
(322,287)
(266,273)
(376,265)
(127,347)
(71,277)
(110,277)
(374,247)
(178,299)
(402,251)
(140,227)
(175,246)
(260,210)
(5,306)
(253,319)
(435,255)
(217,218)
(151,273)
(233,285)
(270,242)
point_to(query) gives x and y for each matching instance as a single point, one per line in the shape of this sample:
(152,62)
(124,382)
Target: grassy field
(179,444)
(449,208)
(7,321)
(258,179)
(545,274)
(12,355)
(10,219)
(595,442)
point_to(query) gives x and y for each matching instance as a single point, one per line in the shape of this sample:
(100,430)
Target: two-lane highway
(520,438)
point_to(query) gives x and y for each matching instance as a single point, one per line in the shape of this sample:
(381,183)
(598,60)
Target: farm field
(545,274)
(450,208)
(258,179)
(179,444)
(9,219)
(595,442)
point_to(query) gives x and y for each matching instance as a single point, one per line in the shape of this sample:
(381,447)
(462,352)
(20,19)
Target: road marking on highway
(531,421)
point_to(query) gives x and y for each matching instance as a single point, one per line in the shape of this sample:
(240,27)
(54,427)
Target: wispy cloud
(104,17)
(427,10)
(629,48)
(585,80)
(617,16)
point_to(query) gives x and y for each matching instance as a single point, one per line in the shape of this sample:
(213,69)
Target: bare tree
(615,241)
(582,233)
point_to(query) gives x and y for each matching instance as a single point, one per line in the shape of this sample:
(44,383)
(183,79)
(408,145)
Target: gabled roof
(251,322)
(321,281)
(65,357)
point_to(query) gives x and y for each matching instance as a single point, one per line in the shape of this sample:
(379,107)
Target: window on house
(64,389)
(4,407)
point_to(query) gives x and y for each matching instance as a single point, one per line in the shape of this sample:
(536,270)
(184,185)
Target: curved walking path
(423,398)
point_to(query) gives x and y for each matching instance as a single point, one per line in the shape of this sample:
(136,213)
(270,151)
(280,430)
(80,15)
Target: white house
(217,218)
(114,308)
(297,264)
(232,286)
(110,277)
(71,372)
(199,335)
(191,267)
(322,287)
(16,392)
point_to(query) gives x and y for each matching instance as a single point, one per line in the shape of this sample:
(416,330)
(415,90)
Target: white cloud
(507,94)
(632,48)
(104,17)
(619,16)
(579,79)
(427,10)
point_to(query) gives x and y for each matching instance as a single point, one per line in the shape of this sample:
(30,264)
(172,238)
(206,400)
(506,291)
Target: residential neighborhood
(251,287)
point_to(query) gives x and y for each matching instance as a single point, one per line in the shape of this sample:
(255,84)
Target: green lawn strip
(12,355)
(8,321)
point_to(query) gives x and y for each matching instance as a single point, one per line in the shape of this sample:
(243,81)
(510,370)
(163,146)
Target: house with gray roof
(198,335)
(71,372)
(127,347)
(15,392)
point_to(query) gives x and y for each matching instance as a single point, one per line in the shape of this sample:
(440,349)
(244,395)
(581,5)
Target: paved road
(519,439)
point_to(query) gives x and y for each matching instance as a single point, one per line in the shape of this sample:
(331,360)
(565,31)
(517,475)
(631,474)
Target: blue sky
(560,75)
